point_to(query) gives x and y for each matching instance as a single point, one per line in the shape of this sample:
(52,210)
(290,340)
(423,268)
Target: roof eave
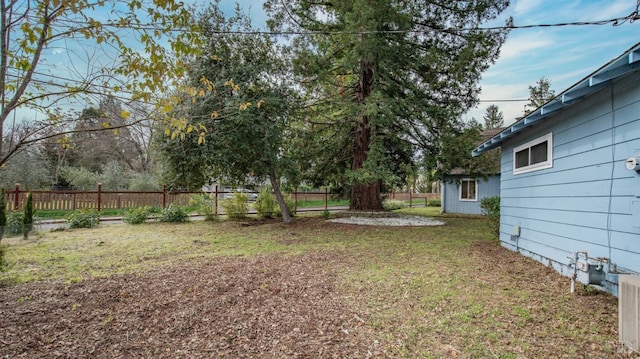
(626,63)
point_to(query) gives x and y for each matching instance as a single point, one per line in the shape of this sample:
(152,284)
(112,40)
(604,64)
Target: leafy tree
(28,168)
(114,176)
(80,178)
(386,72)
(539,94)
(493,118)
(240,105)
(90,32)
(457,145)
(90,146)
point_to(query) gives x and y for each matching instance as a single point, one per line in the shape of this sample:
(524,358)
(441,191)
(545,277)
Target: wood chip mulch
(266,306)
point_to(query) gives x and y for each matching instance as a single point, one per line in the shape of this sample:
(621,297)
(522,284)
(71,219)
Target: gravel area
(389,221)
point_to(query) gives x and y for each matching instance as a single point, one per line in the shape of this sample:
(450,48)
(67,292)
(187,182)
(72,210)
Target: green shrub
(491,209)
(27,219)
(391,204)
(434,202)
(325,214)
(3,264)
(173,213)
(236,207)
(14,223)
(136,215)
(204,205)
(83,218)
(266,204)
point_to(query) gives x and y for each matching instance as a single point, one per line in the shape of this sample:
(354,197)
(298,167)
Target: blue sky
(564,55)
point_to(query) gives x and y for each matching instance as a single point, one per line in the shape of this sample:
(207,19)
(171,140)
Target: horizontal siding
(583,202)
(452,203)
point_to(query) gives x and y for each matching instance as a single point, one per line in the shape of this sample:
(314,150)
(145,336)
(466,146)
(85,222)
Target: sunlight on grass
(83,253)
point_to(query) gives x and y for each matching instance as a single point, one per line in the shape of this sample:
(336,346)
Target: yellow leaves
(64,142)
(24,64)
(191,91)
(116,131)
(166,107)
(231,84)
(244,106)
(181,127)
(125,114)
(260,103)
(216,58)
(106,125)
(214,114)
(195,92)
(206,83)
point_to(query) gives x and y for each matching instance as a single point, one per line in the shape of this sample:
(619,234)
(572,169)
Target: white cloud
(612,9)
(525,6)
(518,46)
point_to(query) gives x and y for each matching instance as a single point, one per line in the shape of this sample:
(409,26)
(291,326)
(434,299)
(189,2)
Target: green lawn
(445,291)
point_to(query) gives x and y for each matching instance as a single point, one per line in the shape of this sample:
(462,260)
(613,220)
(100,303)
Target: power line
(508,100)
(614,22)
(631,18)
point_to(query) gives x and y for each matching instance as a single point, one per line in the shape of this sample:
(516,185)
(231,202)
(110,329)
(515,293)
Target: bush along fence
(99,199)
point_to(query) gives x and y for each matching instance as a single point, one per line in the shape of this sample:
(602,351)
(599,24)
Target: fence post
(16,197)
(215,200)
(99,196)
(410,197)
(164,196)
(326,198)
(295,199)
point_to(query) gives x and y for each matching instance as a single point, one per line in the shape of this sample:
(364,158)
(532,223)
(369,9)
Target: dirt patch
(269,307)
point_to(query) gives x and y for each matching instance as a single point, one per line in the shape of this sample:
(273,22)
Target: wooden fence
(99,199)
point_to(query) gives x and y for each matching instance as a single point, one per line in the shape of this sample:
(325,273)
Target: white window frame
(540,165)
(462,182)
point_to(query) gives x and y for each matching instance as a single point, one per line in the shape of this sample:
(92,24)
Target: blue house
(570,178)
(462,193)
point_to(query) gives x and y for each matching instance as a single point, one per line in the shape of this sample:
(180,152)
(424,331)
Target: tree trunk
(286,216)
(365,196)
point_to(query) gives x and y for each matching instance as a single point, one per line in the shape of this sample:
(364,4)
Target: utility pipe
(574,276)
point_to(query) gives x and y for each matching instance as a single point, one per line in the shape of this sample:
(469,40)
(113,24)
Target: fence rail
(99,199)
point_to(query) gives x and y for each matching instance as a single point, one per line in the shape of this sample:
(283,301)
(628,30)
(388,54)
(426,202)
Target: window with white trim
(533,155)
(468,189)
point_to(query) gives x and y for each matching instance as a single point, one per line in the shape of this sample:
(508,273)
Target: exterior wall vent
(629,311)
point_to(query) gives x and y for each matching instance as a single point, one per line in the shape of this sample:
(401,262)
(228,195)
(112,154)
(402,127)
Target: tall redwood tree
(385,75)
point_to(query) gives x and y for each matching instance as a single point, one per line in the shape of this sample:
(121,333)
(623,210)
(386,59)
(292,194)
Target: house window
(469,190)
(534,155)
